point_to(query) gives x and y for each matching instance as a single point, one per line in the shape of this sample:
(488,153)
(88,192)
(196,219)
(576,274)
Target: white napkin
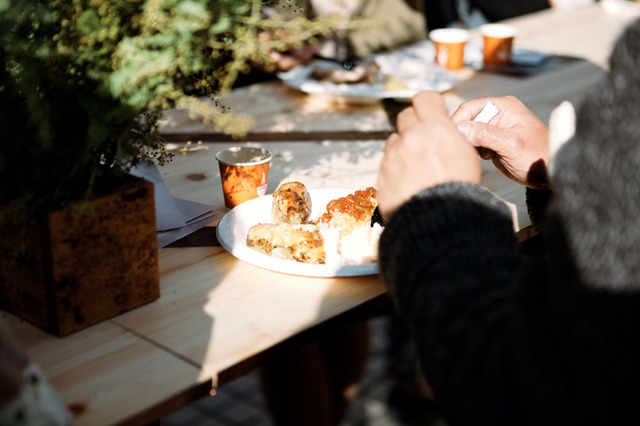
(175,217)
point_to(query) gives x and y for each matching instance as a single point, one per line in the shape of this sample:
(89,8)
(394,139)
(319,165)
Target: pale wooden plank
(221,311)
(104,374)
(275,108)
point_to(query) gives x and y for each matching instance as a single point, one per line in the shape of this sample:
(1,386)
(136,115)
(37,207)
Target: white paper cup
(498,41)
(449,44)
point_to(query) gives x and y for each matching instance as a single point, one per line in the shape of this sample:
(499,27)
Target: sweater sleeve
(506,340)
(537,202)
(449,256)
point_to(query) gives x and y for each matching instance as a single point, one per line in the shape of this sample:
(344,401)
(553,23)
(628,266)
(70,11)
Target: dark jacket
(507,340)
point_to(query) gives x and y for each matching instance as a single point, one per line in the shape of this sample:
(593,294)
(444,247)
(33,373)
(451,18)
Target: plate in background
(417,74)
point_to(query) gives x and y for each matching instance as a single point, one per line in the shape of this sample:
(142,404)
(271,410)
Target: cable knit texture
(509,340)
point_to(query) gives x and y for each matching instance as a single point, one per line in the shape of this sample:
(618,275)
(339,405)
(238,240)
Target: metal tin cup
(449,44)
(498,39)
(244,172)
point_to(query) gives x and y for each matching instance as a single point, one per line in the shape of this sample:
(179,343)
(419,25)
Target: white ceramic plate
(417,74)
(233,227)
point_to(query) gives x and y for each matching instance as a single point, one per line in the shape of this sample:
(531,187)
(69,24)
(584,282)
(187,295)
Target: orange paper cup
(449,44)
(244,172)
(498,39)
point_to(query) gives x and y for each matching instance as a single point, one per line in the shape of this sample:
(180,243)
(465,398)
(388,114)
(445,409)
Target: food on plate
(363,72)
(354,210)
(342,234)
(291,204)
(303,243)
(360,246)
(392,83)
(357,239)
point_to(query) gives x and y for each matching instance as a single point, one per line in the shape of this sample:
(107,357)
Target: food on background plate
(392,84)
(291,204)
(342,234)
(364,71)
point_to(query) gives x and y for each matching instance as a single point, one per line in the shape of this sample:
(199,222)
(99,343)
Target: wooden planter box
(80,269)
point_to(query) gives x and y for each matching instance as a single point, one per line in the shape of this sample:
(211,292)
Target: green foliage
(83,83)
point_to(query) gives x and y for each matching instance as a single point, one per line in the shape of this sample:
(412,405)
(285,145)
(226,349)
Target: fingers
(486,136)
(407,118)
(389,174)
(469,109)
(287,62)
(304,53)
(424,106)
(486,154)
(290,59)
(393,138)
(428,103)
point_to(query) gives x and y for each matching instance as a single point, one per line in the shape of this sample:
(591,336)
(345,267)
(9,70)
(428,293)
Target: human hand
(515,139)
(292,57)
(426,151)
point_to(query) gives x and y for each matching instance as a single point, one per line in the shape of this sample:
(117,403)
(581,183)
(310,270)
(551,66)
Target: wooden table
(219,316)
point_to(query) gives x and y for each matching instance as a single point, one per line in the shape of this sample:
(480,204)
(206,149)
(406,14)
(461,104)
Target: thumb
(483,135)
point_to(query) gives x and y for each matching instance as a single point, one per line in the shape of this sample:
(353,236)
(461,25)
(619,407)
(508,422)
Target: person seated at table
(503,339)
(471,13)
(391,24)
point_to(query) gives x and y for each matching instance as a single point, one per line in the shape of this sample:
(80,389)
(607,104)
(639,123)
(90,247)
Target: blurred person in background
(391,24)
(473,13)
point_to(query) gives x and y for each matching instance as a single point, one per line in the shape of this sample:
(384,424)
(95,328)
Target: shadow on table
(203,237)
(552,63)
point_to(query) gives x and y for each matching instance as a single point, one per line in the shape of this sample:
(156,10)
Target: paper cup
(498,39)
(449,44)
(244,172)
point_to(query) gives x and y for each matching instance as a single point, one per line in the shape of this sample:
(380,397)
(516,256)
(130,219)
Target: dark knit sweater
(506,340)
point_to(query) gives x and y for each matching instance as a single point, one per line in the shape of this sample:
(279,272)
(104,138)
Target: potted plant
(82,86)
